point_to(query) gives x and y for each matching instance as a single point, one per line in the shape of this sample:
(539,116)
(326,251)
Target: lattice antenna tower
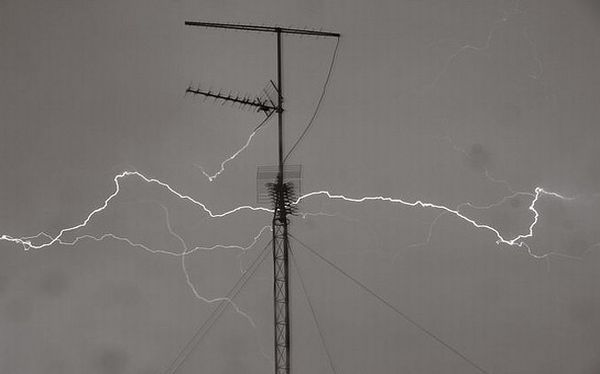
(281,192)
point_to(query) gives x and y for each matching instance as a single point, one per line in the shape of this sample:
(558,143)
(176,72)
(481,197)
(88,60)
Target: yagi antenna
(266,106)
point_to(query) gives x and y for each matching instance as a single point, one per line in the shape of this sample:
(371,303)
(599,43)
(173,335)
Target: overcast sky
(468,105)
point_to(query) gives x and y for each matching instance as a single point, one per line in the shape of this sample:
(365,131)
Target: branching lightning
(43,239)
(187,251)
(518,240)
(27,242)
(427,239)
(214,176)
(486,44)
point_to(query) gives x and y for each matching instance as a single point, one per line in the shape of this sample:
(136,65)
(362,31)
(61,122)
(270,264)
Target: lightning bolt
(27,242)
(214,176)
(513,194)
(488,175)
(516,241)
(186,251)
(467,47)
(427,239)
(486,44)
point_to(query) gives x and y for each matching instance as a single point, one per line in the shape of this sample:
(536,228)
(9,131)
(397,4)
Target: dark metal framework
(266,174)
(281,292)
(281,192)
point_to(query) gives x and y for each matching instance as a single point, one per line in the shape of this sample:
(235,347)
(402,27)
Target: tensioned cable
(392,307)
(214,316)
(312,310)
(312,119)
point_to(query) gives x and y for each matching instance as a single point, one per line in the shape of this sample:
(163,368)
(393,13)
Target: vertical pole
(281,246)
(280,105)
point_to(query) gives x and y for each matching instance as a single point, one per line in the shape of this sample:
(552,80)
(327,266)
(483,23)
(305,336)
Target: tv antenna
(282,193)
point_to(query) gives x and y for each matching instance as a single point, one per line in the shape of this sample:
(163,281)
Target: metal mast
(281,192)
(281,295)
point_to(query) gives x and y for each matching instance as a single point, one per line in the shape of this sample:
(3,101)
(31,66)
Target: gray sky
(469,105)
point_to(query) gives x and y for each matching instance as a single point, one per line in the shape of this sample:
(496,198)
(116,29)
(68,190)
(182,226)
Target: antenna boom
(283,30)
(261,105)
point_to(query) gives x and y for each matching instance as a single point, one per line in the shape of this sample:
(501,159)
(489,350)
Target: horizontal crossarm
(283,30)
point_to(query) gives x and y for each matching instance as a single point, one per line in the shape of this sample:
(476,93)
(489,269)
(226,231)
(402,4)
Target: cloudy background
(450,102)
